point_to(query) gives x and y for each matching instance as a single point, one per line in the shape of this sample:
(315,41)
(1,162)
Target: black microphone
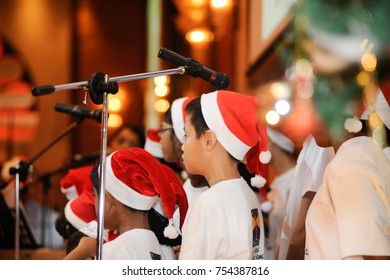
(195,69)
(79,112)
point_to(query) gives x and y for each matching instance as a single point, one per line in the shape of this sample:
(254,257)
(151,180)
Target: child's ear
(211,139)
(109,200)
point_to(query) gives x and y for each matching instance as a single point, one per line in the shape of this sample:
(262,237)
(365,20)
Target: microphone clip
(97,86)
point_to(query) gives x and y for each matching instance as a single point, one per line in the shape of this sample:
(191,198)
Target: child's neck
(222,171)
(134,220)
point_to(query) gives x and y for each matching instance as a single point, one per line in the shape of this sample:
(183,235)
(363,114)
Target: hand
(86,249)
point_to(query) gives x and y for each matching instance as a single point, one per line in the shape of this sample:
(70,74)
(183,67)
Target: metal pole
(17,215)
(102,170)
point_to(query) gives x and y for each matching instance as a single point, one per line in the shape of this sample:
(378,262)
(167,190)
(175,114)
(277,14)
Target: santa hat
(281,140)
(74,182)
(81,210)
(179,192)
(234,119)
(135,178)
(178,114)
(152,144)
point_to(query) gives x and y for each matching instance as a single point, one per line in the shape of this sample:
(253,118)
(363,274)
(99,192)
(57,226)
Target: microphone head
(96,115)
(221,81)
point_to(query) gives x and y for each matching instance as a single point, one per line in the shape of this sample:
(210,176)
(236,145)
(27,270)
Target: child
(224,222)
(135,182)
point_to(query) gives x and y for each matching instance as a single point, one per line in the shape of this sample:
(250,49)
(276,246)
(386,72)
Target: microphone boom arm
(47,89)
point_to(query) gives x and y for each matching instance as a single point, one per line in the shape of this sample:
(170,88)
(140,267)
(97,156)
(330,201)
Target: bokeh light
(282,107)
(272,117)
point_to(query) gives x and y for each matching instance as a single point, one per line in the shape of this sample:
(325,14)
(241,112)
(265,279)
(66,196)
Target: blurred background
(264,46)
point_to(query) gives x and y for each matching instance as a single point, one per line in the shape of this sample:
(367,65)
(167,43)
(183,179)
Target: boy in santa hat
(172,137)
(224,222)
(135,182)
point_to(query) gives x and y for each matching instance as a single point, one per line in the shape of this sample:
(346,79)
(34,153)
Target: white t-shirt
(309,171)
(347,217)
(224,222)
(191,193)
(135,244)
(387,152)
(278,195)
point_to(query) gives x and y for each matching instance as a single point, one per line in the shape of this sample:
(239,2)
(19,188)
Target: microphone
(195,69)
(79,112)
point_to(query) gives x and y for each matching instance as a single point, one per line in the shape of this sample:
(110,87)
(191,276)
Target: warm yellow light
(115,104)
(161,80)
(219,4)
(369,62)
(199,36)
(280,90)
(197,15)
(272,117)
(363,78)
(161,105)
(161,90)
(375,121)
(114,120)
(198,3)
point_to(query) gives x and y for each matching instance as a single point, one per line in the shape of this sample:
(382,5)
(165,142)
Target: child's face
(193,149)
(170,144)
(125,139)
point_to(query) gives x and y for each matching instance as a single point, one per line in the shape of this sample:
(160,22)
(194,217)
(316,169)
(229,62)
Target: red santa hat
(180,197)
(135,178)
(152,144)
(74,182)
(178,114)
(234,119)
(81,210)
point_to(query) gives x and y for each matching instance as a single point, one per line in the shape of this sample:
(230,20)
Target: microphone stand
(21,172)
(98,87)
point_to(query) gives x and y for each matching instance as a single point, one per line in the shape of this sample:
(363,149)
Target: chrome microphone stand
(21,171)
(98,87)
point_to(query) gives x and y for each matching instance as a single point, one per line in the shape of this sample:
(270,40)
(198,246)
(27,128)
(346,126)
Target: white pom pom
(258,181)
(184,175)
(387,227)
(170,231)
(353,125)
(266,206)
(265,157)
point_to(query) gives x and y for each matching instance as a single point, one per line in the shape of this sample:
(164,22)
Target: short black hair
(168,116)
(63,227)
(157,224)
(194,111)
(74,240)
(94,175)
